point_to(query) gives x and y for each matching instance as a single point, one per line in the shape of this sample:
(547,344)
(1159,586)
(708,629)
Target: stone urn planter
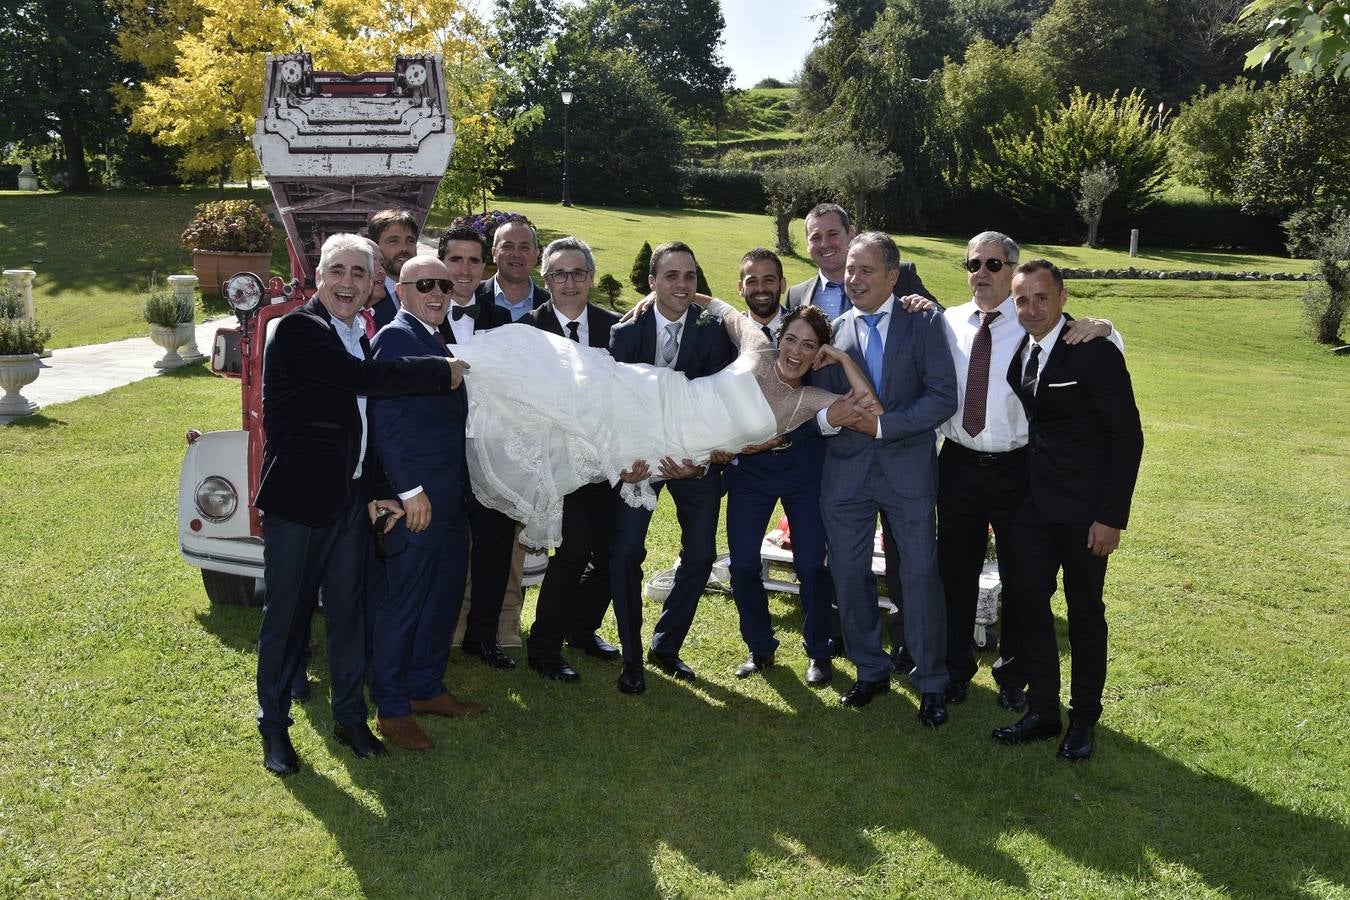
(17,371)
(170,339)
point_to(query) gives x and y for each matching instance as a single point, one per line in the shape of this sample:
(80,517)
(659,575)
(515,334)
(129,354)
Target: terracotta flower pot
(212,267)
(16,371)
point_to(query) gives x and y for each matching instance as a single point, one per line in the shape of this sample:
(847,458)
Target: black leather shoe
(1077,743)
(755,663)
(819,672)
(360,738)
(632,680)
(1034,726)
(956,691)
(932,711)
(593,645)
(490,654)
(862,692)
(554,667)
(902,663)
(671,664)
(1012,698)
(278,755)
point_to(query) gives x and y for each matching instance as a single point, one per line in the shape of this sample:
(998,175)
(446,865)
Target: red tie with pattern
(368,318)
(977,376)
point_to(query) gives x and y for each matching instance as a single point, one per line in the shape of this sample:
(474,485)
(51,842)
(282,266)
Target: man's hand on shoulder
(917,303)
(1081,330)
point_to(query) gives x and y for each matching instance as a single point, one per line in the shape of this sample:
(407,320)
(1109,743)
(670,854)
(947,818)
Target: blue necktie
(873,354)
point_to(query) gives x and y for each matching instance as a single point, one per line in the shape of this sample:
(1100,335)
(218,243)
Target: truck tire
(231,590)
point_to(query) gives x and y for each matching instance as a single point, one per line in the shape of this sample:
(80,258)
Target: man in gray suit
(887,463)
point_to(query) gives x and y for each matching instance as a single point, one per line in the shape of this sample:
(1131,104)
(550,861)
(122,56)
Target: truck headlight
(216,498)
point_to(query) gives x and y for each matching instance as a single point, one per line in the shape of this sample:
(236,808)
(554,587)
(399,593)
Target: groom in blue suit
(886,462)
(420,440)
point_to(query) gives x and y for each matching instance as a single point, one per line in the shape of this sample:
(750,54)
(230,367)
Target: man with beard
(394,232)
(785,468)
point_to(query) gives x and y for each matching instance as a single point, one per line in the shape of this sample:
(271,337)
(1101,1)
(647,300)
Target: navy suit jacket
(909,283)
(384,312)
(918,393)
(312,424)
(704,348)
(420,437)
(1085,440)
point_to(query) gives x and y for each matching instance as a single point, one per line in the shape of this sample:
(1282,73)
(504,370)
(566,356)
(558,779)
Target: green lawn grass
(129,761)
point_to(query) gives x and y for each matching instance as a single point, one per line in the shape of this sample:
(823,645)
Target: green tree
(55,74)
(856,173)
(1041,170)
(1204,45)
(1299,151)
(1211,133)
(642,267)
(790,186)
(1323,233)
(1313,37)
(1094,187)
(1101,46)
(611,288)
(1001,22)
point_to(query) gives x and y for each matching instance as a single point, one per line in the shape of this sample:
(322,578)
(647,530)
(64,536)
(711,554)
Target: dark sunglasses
(993,265)
(426,284)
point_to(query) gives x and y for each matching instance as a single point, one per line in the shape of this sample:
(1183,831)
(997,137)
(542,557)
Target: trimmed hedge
(738,190)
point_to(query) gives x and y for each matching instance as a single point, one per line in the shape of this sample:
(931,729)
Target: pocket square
(1062,384)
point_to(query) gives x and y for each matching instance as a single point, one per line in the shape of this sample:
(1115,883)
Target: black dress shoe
(632,680)
(932,711)
(819,672)
(490,654)
(360,738)
(594,645)
(756,663)
(278,755)
(1034,726)
(902,663)
(554,667)
(956,691)
(862,692)
(671,664)
(1012,698)
(1077,743)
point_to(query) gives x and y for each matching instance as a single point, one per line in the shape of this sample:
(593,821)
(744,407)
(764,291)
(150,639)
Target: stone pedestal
(27,179)
(183,287)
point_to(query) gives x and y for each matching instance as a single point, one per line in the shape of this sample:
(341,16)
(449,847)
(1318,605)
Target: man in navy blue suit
(420,439)
(669,334)
(784,468)
(887,462)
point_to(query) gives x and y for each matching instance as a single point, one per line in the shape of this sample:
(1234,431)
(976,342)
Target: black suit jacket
(1085,438)
(487,315)
(908,283)
(704,348)
(484,294)
(598,322)
(311,420)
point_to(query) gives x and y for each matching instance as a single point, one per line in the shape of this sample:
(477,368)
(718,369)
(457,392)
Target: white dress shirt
(462,327)
(351,339)
(1005,422)
(1046,344)
(583,331)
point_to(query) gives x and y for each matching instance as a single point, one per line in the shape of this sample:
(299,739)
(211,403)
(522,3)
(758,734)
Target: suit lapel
(594,328)
(686,351)
(1015,375)
(646,326)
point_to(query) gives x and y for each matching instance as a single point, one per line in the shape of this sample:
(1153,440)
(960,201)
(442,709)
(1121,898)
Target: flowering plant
(487,223)
(236,226)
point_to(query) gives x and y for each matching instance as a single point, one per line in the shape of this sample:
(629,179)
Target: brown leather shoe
(447,705)
(403,731)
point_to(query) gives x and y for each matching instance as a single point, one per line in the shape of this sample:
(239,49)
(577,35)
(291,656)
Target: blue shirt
(829,299)
(515,309)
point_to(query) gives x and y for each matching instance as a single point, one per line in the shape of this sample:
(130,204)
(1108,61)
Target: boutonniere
(707,318)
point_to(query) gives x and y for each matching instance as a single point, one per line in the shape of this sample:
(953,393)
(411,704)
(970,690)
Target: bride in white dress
(548,415)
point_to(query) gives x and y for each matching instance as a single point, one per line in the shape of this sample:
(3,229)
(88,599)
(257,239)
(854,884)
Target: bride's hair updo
(812,316)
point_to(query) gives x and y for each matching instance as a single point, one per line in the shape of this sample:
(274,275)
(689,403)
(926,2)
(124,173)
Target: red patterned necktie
(440,339)
(368,318)
(977,376)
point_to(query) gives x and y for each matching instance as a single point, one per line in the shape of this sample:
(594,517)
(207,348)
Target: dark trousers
(754,484)
(1040,550)
(975,491)
(298,560)
(494,540)
(572,600)
(416,622)
(698,503)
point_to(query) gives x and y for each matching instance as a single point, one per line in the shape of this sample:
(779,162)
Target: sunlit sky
(768,38)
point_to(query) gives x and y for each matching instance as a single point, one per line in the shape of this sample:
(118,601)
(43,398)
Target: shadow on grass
(36,420)
(564,789)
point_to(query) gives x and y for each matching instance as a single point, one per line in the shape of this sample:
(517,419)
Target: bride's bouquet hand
(457,369)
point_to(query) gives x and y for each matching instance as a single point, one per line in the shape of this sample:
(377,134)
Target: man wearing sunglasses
(492,573)
(420,440)
(982,467)
(573,598)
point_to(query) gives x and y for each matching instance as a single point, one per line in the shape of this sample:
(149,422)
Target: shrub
(610,286)
(642,266)
(1211,133)
(237,226)
(164,309)
(741,190)
(11,302)
(1323,232)
(22,336)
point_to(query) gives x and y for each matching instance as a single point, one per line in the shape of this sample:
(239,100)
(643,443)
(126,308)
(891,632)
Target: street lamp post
(567,96)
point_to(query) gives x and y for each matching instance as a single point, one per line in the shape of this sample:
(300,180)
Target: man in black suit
(671,334)
(1084,447)
(316,489)
(575,593)
(515,250)
(463,251)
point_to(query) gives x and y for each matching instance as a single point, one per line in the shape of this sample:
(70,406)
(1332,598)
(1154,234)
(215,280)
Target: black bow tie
(468,309)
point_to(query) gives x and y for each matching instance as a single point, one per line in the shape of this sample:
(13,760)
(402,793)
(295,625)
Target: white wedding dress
(548,415)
